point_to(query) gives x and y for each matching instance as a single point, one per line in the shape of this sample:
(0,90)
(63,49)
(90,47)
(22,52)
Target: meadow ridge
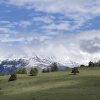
(60,85)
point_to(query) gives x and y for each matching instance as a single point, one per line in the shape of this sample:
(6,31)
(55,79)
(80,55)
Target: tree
(90,64)
(20,71)
(48,70)
(54,67)
(44,70)
(24,71)
(82,65)
(75,70)
(13,77)
(33,72)
(36,70)
(14,72)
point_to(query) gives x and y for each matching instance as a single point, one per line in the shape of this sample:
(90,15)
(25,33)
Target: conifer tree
(44,70)
(20,71)
(54,67)
(33,72)
(24,71)
(13,77)
(75,70)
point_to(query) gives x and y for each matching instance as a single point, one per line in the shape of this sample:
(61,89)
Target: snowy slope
(12,63)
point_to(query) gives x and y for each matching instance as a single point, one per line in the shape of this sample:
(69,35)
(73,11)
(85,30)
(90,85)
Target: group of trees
(91,64)
(33,72)
(46,70)
(53,67)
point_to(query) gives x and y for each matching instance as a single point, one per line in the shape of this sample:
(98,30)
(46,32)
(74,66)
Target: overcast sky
(66,29)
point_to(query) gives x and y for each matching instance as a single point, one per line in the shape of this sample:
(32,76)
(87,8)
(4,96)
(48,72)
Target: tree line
(91,64)
(33,71)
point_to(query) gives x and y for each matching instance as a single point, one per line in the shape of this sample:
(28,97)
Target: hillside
(59,85)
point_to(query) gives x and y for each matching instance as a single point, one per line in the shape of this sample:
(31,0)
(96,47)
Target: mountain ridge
(10,64)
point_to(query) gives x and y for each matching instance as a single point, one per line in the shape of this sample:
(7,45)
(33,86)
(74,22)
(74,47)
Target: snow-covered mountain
(12,63)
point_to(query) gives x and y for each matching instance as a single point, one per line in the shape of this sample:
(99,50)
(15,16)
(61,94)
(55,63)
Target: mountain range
(11,63)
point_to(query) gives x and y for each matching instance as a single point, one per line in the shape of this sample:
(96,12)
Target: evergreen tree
(44,70)
(20,71)
(24,71)
(54,67)
(36,70)
(75,70)
(33,72)
(90,64)
(13,77)
(14,71)
(48,70)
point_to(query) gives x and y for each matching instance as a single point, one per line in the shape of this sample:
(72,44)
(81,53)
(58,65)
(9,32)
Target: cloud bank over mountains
(66,29)
(80,47)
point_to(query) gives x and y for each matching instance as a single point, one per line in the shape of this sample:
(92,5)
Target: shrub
(13,77)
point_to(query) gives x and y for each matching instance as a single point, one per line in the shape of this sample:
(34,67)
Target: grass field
(53,86)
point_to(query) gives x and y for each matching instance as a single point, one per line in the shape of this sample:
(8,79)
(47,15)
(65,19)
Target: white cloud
(24,23)
(6,30)
(77,10)
(81,47)
(62,26)
(3,21)
(62,6)
(44,19)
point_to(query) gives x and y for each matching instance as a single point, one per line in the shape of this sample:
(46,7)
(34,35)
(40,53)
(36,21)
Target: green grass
(53,86)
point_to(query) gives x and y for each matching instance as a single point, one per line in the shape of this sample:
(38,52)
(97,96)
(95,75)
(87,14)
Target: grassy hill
(53,86)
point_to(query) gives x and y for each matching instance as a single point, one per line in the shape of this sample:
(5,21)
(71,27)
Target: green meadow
(61,85)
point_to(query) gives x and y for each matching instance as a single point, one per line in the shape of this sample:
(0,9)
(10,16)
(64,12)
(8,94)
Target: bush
(13,77)
(75,70)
